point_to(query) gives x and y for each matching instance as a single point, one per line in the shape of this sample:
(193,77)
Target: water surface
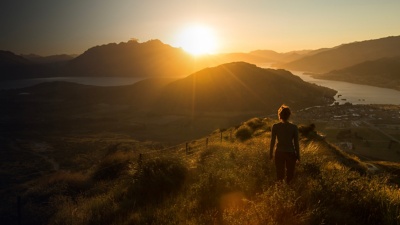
(356,93)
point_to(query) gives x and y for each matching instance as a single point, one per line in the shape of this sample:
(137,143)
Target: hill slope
(241,87)
(383,72)
(227,181)
(346,55)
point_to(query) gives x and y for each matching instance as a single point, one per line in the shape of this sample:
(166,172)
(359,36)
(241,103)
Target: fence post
(19,210)
(187,148)
(206,142)
(221,136)
(140,158)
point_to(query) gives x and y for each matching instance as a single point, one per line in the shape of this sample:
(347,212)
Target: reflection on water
(96,81)
(356,93)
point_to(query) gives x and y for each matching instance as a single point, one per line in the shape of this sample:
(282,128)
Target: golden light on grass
(197,40)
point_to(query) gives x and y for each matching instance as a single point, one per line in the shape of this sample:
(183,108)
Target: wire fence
(186,151)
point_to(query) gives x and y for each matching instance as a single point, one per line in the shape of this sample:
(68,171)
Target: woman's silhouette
(287,148)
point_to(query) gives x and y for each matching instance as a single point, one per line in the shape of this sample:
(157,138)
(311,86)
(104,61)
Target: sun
(197,40)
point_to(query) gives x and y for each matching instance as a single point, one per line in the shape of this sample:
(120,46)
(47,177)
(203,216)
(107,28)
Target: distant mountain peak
(346,55)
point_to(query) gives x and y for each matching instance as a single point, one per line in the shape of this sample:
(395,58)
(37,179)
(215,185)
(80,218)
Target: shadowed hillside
(241,87)
(383,72)
(346,55)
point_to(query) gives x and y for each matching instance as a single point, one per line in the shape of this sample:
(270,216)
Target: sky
(48,27)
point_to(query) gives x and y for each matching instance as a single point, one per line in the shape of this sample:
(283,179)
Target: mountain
(13,66)
(9,59)
(240,86)
(134,59)
(156,59)
(152,59)
(384,72)
(275,57)
(346,55)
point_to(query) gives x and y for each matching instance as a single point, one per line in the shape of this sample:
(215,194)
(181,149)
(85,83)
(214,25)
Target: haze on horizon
(48,27)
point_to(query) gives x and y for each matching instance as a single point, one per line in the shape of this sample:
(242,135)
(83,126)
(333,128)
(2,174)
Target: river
(356,93)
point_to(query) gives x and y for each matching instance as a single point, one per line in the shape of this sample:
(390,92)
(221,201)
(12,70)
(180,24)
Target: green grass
(228,182)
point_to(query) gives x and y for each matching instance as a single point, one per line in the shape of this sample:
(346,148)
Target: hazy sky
(52,27)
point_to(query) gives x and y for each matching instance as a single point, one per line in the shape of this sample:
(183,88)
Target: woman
(287,148)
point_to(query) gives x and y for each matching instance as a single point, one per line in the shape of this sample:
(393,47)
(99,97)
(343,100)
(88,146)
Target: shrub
(255,123)
(157,178)
(244,132)
(112,166)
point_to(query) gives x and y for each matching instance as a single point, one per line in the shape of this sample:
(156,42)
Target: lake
(96,81)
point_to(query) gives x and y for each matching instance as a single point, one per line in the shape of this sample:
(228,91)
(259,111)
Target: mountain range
(156,59)
(346,55)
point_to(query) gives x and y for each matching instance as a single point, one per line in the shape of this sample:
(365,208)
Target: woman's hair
(284,113)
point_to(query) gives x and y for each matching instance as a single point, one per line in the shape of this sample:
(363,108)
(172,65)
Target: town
(371,132)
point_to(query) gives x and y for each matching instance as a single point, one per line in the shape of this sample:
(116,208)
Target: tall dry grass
(232,182)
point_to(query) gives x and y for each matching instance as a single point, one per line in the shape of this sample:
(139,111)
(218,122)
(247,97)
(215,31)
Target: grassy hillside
(219,179)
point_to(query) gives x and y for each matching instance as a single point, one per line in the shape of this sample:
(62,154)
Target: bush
(157,178)
(112,166)
(244,132)
(255,123)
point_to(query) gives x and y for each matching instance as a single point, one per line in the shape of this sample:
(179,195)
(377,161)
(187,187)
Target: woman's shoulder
(286,124)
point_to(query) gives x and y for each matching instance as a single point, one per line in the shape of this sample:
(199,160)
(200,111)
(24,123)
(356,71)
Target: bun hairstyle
(284,113)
